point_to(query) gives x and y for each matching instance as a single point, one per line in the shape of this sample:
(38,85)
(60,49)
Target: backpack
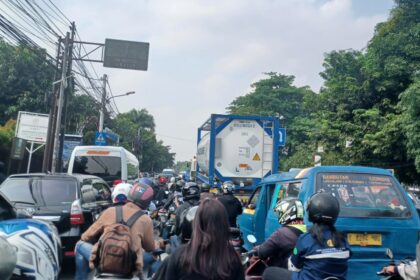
(115,250)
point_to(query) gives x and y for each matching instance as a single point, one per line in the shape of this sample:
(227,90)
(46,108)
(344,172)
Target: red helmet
(163,180)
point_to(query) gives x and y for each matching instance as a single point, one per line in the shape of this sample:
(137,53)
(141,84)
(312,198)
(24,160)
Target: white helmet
(120,192)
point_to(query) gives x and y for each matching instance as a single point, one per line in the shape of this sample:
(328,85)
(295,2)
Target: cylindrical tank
(243,150)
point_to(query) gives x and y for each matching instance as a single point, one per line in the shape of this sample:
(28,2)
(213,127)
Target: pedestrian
(322,252)
(208,255)
(139,198)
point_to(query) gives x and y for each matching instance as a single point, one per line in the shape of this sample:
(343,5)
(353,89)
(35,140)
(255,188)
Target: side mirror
(389,253)
(23,214)
(251,206)
(251,239)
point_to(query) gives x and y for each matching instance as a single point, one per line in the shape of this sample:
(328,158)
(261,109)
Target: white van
(113,164)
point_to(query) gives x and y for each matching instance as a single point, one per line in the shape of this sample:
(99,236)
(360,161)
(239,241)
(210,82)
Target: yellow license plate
(368,239)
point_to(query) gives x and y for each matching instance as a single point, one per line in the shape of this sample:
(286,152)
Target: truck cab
(375,211)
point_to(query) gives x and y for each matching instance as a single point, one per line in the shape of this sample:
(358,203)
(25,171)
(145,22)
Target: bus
(113,164)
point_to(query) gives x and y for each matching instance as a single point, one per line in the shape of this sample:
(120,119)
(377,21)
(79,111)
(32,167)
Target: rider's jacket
(233,207)
(316,261)
(141,232)
(279,246)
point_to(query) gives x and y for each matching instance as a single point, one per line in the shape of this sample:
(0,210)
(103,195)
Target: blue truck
(376,212)
(242,149)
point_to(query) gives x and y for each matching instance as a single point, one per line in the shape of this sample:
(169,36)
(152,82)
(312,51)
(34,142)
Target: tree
(25,80)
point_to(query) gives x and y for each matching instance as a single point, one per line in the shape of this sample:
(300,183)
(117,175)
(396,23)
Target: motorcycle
(391,276)
(236,239)
(255,270)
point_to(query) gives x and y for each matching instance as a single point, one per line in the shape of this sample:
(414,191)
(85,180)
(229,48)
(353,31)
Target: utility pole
(67,92)
(103,104)
(63,85)
(46,163)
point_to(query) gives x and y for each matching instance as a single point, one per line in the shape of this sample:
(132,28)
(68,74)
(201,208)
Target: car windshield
(364,195)
(106,167)
(40,191)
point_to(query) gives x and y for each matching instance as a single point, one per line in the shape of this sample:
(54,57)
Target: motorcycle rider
(120,193)
(232,205)
(279,246)
(320,253)
(191,196)
(139,198)
(205,191)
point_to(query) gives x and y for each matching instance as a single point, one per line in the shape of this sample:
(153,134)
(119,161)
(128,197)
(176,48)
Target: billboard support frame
(31,151)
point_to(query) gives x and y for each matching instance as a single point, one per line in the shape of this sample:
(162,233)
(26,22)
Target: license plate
(368,239)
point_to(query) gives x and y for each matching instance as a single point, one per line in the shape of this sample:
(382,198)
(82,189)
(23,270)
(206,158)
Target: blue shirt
(318,261)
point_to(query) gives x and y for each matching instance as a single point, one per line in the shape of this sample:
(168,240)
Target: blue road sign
(282,136)
(100,139)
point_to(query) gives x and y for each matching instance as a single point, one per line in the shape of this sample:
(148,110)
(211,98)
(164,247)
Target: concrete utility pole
(63,85)
(103,104)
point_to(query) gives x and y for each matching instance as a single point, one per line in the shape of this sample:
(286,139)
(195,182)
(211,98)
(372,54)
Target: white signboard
(32,127)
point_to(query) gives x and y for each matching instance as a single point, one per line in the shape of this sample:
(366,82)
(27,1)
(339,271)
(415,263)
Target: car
(37,243)
(376,212)
(71,202)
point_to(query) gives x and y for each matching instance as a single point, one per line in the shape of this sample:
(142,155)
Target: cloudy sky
(203,54)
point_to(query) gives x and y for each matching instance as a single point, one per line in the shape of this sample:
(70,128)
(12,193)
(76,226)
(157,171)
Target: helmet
(191,190)
(228,187)
(187,217)
(288,210)
(141,194)
(147,181)
(205,187)
(323,208)
(120,193)
(7,265)
(162,180)
(179,185)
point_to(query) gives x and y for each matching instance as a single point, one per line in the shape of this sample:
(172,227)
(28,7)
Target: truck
(241,149)
(376,213)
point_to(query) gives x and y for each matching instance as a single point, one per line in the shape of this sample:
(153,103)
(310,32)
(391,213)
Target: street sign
(32,127)
(126,54)
(282,136)
(112,136)
(70,142)
(100,138)
(18,148)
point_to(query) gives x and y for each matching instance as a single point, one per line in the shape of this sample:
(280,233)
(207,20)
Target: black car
(71,202)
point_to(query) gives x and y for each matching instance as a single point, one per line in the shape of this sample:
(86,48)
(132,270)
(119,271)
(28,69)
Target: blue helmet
(147,181)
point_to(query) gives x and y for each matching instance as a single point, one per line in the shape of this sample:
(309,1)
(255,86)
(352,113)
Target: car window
(270,190)
(102,190)
(254,198)
(40,191)
(6,210)
(364,195)
(289,189)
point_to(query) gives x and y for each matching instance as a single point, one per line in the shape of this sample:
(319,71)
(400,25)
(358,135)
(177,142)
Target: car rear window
(106,167)
(364,195)
(40,191)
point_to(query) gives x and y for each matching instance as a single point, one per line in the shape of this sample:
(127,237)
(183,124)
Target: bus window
(106,167)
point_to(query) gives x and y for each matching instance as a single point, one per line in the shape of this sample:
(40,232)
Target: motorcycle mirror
(23,214)
(389,253)
(251,238)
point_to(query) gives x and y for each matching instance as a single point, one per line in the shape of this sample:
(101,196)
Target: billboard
(32,127)
(126,54)
(70,142)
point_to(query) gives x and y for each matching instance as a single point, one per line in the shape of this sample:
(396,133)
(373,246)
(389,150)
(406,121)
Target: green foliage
(7,132)
(136,129)
(25,80)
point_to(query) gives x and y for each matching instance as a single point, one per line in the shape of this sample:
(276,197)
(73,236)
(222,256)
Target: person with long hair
(208,255)
(322,252)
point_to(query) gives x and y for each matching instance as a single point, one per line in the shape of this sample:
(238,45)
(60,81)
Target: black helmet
(141,194)
(323,208)
(191,190)
(187,217)
(205,187)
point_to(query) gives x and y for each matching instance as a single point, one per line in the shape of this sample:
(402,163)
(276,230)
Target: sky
(203,54)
